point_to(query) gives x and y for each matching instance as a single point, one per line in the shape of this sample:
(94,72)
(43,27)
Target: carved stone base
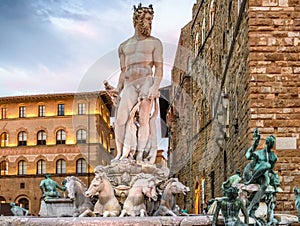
(121,172)
(56,208)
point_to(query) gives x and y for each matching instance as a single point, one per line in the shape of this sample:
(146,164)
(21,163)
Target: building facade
(60,134)
(236,69)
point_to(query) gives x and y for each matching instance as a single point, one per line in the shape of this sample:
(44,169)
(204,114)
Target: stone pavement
(111,221)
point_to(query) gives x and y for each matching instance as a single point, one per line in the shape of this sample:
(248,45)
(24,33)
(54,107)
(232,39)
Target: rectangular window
(61,110)
(81,109)
(22,112)
(41,110)
(22,185)
(3,113)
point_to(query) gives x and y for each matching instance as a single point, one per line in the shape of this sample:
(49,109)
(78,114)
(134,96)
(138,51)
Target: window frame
(22,169)
(41,139)
(22,112)
(81,109)
(41,110)
(197,43)
(81,166)
(81,136)
(3,170)
(3,113)
(61,166)
(41,167)
(22,138)
(60,109)
(61,134)
(4,139)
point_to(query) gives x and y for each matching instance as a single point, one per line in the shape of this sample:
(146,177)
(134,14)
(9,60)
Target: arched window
(225,164)
(3,168)
(81,136)
(41,167)
(41,137)
(60,166)
(104,141)
(102,110)
(61,137)
(107,144)
(102,137)
(203,31)
(197,203)
(202,114)
(212,13)
(189,64)
(197,43)
(22,139)
(3,139)
(212,107)
(81,166)
(24,203)
(196,124)
(22,167)
(2,199)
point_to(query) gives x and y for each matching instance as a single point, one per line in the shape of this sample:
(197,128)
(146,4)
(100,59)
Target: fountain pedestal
(56,207)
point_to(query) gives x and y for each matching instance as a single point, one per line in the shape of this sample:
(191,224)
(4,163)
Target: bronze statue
(297,201)
(17,210)
(260,171)
(234,179)
(49,188)
(230,207)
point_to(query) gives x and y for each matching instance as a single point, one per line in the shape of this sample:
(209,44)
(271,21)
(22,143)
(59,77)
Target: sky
(63,46)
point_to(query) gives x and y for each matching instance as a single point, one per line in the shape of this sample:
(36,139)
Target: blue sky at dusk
(52,46)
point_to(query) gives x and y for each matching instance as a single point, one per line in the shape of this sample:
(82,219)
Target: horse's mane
(141,176)
(78,180)
(170,181)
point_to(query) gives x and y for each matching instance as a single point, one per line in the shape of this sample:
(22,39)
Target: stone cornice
(54,96)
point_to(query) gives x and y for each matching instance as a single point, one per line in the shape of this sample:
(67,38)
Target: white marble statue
(141,61)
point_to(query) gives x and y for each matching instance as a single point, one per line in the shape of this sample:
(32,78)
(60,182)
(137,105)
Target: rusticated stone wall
(216,103)
(244,75)
(274,63)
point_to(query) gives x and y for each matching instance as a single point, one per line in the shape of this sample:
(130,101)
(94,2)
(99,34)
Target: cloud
(51,46)
(49,81)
